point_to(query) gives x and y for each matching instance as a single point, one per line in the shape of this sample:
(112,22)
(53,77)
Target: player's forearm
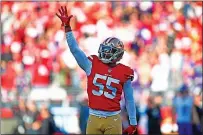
(130,104)
(72,43)
(78,54)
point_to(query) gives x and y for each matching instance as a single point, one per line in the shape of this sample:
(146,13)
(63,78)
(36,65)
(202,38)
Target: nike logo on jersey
(109,70)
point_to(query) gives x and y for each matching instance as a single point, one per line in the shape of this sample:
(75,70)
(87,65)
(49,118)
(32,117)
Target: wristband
(67,28)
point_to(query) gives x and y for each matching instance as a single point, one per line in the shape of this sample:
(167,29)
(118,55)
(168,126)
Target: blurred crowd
(163,43)
(32,121)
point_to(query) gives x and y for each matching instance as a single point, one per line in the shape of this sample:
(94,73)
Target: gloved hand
(65,18)
(130,130)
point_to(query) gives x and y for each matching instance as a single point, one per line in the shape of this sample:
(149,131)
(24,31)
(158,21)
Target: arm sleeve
(79,55)
(130,104)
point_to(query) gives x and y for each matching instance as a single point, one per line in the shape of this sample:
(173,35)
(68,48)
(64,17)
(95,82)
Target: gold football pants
(108,125)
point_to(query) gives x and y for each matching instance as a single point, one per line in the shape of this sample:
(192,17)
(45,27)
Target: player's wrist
(67,28)
(134,126)
(133,121)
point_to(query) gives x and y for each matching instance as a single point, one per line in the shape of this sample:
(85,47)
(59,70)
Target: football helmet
(111,50)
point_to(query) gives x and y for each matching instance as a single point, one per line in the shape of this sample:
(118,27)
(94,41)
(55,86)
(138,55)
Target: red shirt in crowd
(8,78)
(41,74)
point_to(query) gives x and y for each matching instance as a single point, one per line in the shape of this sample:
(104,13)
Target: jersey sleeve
(129,75)
(92,59)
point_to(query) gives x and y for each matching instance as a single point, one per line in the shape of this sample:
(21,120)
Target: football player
(107,79)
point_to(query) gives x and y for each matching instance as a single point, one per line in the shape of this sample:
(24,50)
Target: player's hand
(130,130)
(65,18)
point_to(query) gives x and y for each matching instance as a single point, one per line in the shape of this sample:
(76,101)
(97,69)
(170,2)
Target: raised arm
(79,55)
(130,106)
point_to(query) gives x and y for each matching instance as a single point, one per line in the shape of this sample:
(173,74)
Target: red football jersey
(105,84)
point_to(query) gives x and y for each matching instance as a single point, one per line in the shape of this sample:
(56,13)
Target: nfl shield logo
(109,70)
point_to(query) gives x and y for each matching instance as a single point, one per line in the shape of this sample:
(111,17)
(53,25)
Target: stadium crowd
(163,43)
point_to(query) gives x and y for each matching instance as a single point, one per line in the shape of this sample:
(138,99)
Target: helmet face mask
(111,50)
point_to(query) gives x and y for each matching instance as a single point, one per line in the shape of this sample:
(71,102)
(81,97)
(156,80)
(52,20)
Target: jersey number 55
(109,80)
